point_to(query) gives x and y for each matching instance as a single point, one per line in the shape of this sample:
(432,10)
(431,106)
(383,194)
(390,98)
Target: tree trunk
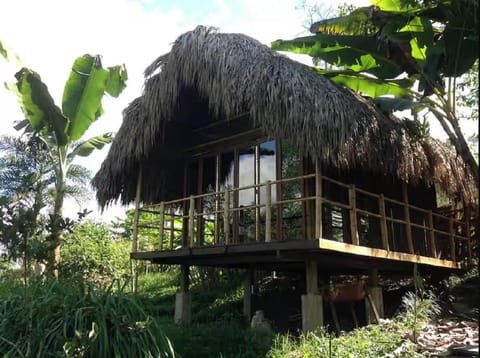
(57,236)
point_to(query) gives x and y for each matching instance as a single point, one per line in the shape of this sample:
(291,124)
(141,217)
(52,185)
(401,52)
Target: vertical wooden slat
(466,213)
(406,213)
(278,189)
(186,175)
(191,222)
(383,222)
(451,231)
(161,214)
(200,218)
(172,228)
(226,217)
(136,215)
(257,192)
(352,199)
(318,200)
(268,211)
(236,184)
(216,232)
(431,234)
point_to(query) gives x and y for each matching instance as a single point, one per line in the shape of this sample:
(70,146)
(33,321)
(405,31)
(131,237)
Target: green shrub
(92,251)
(77,319)
(224,338)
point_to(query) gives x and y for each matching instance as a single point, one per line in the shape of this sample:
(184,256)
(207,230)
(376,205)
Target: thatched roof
(220,76)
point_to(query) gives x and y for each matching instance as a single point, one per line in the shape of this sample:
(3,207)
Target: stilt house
(237,156)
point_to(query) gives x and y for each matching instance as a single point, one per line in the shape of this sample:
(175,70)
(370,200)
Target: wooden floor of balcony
(331,256)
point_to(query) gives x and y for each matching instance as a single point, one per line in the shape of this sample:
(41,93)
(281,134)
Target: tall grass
(76,319)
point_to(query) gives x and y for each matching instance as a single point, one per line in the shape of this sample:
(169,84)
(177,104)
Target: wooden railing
(362,218)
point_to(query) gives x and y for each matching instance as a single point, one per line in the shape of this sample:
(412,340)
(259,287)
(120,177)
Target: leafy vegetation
(75,318)
(62,129)
(93,252)
(405,54)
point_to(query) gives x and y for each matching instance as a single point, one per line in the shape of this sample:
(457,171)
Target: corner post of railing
(318,200)
(466,214)
(383,222)
(451,231)
(191,222)
(352,199)
(161,214)
(226,217)
(406,214)
(268,211)
(431,234)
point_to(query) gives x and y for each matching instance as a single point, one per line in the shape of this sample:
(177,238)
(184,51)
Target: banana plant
(403,54)
(62,127)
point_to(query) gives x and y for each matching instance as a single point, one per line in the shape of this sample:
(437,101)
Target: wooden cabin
(237,156)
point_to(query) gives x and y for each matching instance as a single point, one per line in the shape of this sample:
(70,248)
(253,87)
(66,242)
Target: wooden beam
(216,233)
(318,200)
(256,172)
(466,214)
(278,188)
(311,276)
(185,229)
(451,230)
(268,211)
(236,184)
(383,222)
(161,214)
(184,278)
(191,222)
(431,234)
(384,254)
(374,308)
(334,316)
(199,204)
(406,213)
(226,216)
(352,199)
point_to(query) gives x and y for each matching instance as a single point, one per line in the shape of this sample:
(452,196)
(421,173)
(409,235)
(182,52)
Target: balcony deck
(409,234)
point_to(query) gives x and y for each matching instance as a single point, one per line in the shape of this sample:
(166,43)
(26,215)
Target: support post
(374,309)
(466,213)
(431,235)
(247,295)
(161,214)
(318,200)
(257,192)
(268,211)
(451,230)
(312,301)
(406,213)
(183,299)
(383,222)
(353,215)
(226,217)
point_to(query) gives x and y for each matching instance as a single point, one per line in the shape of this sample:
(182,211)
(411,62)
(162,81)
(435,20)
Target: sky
(49,34)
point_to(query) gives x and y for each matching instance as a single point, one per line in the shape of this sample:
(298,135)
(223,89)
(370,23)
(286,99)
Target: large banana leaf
(84,90)
(357,53)
(85,148)
(370,86)
(39,108)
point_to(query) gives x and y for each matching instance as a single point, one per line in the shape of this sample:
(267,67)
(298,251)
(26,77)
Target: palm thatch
(220,76)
